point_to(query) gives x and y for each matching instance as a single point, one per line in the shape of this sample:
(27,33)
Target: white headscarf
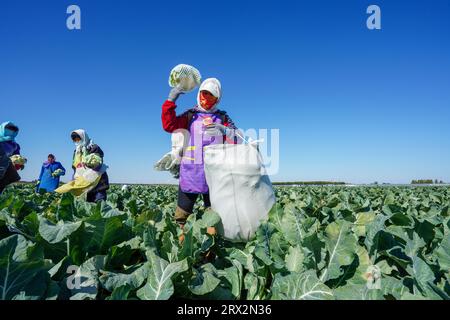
(85,140)
(212,85)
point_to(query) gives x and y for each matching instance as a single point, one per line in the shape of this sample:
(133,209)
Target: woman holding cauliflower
(87,154)
(51,172)
(206,125)
(10,159)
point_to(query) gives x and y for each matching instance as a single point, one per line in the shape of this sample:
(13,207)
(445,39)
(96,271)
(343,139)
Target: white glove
(167,162)
(171,160)
(163,162)
(216,129)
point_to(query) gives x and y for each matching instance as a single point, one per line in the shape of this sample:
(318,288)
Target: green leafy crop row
(318,243)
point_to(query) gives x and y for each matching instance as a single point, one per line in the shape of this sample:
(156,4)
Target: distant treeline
(306,183)
(427,181)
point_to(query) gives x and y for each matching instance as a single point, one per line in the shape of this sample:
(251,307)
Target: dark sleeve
(96,149)
(9,177)
(228,122)
(17,151)
(4,162)
(73,157)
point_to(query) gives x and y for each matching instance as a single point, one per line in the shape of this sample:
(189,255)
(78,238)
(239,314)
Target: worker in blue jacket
(51,172)
(10,159)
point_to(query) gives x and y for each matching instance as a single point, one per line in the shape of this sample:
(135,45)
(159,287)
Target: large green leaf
(291,226)
(443,254)
(414,245)
(341,245)
(423,276)
(54,233)
(38,287)
(357,292)
(170,247)
(234,276)
(134,278)
(122,253)
(303,286)
(66,209)
(120,293)
(255,286)
(314,252)
(102,233)
(393,287)
(262,248)
(372,232)
(20,263)
(245,257)
(205,280)
(106,211)
(159,284)
(294,259)
(362,220)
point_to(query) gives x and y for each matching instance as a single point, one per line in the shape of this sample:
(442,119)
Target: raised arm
(170,121)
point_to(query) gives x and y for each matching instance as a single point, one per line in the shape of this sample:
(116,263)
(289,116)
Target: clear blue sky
(351,104)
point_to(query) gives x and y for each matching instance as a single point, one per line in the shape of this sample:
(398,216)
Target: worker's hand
(57,173)
(216,129)
(174,94)
(176,154)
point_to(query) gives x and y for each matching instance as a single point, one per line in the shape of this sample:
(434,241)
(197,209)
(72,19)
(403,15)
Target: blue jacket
(8,148)
(47,181)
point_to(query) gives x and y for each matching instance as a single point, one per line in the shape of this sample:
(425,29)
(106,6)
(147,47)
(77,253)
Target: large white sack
(239,188)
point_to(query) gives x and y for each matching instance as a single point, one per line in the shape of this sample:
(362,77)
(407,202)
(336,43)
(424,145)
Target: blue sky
(351,104)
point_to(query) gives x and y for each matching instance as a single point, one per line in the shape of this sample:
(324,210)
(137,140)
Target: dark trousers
(10,176)
(186,201)
(96,196)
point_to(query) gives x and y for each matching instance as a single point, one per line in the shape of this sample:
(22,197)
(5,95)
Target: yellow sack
(85,180)
(78,186)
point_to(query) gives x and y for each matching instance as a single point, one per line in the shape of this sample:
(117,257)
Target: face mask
(10,133)
(207,101)
(78,143)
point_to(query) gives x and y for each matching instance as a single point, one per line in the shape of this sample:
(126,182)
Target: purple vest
(192,173)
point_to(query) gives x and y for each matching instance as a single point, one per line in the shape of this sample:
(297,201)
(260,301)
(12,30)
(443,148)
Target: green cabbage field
(319,243)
